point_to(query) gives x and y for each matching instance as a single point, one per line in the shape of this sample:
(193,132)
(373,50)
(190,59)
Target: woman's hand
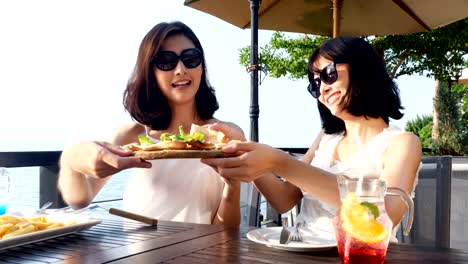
(85,168)
(100,159)
(229,129)
(257,159)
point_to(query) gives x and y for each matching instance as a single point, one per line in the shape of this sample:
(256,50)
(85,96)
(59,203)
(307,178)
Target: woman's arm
(270,185)
(229,208)
(320,183)
(228,212)
(401,162)
(86,167)
(258,159)
(281,194)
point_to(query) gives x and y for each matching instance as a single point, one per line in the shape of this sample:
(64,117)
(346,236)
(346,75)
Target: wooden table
(117,241)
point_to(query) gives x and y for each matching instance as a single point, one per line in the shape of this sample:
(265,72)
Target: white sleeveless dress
(182,190)
(367,161)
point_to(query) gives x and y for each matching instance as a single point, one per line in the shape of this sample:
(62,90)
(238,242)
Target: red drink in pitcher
(353,251)
(364,257)
(362,230)
(362,226)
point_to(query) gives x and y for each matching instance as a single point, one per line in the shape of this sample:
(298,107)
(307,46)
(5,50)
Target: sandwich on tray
(201,142)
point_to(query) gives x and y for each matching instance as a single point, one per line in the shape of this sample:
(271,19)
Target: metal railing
(48,163)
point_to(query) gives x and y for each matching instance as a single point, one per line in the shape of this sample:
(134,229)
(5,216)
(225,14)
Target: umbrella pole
(337,4)
(254,203)
(254,109)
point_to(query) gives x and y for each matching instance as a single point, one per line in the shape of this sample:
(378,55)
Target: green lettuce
(144,140)
(183,136)
(199,136)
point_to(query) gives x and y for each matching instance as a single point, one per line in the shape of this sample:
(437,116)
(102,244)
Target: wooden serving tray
(183,154)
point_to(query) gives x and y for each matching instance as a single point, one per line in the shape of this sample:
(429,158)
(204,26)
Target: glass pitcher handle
(394,191)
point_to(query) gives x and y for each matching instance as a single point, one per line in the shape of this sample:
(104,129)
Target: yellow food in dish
(12,226)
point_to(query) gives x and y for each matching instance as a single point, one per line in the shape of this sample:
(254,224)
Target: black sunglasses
(167,60)
(328,75)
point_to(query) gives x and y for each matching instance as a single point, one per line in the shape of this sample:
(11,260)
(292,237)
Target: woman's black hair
(143,98)
(371,93)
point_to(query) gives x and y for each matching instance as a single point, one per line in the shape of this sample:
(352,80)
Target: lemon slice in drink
(359,223)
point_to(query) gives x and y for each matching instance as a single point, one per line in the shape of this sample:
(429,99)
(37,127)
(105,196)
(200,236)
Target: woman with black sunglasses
(356,99)
(168,88)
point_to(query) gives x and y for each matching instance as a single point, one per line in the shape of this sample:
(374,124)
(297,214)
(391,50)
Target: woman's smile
(332,98)
(180,84)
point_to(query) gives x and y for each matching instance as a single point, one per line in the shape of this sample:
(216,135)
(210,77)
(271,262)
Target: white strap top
(183,190)
(366,161)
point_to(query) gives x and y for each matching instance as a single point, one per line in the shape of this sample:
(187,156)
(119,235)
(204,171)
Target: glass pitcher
(362,226)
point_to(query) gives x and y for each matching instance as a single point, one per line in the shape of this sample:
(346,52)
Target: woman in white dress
(168,88)
(356,98)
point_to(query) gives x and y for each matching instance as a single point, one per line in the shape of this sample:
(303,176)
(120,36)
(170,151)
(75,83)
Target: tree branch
(400,61)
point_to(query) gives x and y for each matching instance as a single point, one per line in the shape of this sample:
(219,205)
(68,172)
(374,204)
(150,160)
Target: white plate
(82,222)
(314,239)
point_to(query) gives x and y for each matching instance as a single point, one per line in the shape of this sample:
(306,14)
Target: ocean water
(25,191)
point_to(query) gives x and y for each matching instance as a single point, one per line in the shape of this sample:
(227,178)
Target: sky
(64,65)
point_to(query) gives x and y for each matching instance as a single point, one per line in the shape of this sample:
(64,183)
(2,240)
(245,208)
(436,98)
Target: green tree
(422,127)
(419,123)
(450,141)
(451,103)
(285,56)
(461,92)
(438,53)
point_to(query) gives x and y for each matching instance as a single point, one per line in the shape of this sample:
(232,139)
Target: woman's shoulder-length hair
(143,98)
(371,93)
